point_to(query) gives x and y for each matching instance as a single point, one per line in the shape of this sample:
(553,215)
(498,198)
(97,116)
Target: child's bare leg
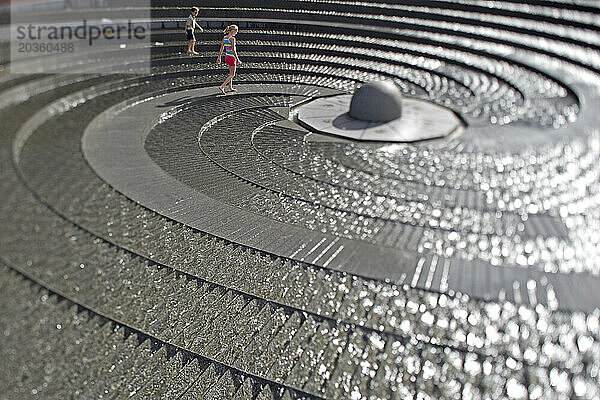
(193,45)
(231,75)
(227,80)
(222,87)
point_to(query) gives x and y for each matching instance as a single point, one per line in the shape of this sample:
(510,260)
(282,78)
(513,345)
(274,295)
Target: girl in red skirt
(231,57)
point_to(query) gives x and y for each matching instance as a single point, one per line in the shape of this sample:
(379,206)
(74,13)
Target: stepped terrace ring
(115,140)
(420,120)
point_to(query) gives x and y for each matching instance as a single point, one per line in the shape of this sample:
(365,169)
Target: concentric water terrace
(223,251)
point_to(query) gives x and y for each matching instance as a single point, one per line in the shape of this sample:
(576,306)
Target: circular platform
(420,120)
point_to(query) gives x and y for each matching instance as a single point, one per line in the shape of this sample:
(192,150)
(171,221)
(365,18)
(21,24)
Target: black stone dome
(379,101)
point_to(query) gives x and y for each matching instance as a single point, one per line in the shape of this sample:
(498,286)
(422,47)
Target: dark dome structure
(379,101)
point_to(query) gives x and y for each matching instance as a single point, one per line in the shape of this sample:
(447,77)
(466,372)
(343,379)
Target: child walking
(231,57)
(190,25)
